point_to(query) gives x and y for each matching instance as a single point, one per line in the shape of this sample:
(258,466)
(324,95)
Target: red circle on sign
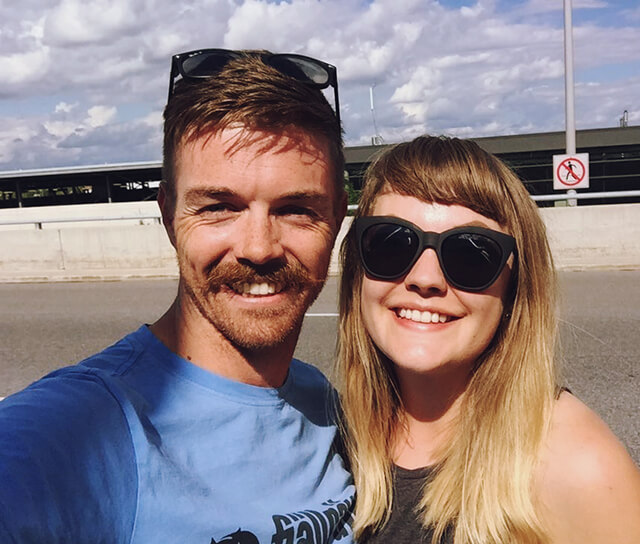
(569,172)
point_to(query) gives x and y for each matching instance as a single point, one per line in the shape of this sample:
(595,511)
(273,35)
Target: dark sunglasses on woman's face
(471,258)
(206,63)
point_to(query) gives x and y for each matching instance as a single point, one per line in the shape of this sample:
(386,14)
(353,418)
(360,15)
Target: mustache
(290,275)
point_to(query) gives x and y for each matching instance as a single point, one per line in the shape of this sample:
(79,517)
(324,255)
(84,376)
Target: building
(614,166)
(614,160)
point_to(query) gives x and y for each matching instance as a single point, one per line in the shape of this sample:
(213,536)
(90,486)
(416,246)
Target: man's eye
(218,208)
(297,210)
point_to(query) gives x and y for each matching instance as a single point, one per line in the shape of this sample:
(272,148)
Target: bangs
(442,170)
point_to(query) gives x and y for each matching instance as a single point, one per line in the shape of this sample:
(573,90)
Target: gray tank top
(403,526)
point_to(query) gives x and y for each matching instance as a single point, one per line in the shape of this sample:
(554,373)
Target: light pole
(569,108)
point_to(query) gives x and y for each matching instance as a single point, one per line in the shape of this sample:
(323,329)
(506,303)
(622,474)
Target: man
(200,428)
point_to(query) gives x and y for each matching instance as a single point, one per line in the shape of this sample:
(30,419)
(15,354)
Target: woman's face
(394,311)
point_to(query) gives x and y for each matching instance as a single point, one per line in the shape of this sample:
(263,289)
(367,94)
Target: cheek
(372,295)
(487,312)
(201,246)
(311,248)
(491,303)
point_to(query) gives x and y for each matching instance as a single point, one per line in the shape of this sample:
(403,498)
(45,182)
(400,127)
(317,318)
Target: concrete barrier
(580,237)
(605,236)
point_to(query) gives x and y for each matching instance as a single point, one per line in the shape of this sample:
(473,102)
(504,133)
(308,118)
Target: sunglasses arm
(173,74)
(337,102)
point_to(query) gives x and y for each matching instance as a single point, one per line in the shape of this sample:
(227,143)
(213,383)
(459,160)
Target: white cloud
(13,133)
(81,74)
(154,119)
(421,84)
(76,22)
(98,116)
(281,25)
(33,30)
(63,107)
(544,6)
(60,129)
(23,68)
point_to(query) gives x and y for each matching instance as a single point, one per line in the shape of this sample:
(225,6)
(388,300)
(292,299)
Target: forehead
(430,216)
(250,160)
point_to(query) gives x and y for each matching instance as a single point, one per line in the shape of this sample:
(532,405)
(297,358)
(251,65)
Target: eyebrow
(196,195)
(309,197)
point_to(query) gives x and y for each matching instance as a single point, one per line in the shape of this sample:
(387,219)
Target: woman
(456,426)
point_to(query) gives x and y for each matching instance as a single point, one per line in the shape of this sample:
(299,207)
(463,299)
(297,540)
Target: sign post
(570,121)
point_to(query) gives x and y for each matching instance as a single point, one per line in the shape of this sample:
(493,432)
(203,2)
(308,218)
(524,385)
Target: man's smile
(256,289)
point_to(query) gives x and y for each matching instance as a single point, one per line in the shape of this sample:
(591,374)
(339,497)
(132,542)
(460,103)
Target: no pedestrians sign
(571,171)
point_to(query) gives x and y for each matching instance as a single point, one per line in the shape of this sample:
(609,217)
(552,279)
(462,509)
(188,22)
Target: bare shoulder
(587,483)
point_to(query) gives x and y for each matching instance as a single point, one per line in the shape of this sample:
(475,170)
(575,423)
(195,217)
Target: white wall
(594,236)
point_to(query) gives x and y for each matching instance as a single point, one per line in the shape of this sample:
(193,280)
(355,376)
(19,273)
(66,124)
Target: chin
(427,365)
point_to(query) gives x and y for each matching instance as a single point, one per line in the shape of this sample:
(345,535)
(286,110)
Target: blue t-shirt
(137,445)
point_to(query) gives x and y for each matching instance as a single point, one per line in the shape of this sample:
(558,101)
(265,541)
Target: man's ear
(341,208)
(167,204)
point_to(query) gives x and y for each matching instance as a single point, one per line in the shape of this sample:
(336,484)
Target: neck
(184,331)
(431,403)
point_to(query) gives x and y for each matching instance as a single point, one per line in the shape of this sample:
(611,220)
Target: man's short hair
(250,93)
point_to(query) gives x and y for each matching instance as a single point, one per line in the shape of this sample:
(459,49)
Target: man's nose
(259,239)
(426,275)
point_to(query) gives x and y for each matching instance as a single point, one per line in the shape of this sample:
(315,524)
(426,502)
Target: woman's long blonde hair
(482,489)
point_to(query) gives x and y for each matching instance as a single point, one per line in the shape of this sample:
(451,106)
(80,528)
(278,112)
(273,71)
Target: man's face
(253,221)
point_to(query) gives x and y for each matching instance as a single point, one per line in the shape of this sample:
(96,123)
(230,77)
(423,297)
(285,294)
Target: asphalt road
(46,326)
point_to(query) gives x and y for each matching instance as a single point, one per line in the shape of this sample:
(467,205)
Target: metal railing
(585,196)
(566,196)
(39,222)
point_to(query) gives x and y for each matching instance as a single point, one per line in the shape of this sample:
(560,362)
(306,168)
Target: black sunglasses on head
(471,258)
(206,63)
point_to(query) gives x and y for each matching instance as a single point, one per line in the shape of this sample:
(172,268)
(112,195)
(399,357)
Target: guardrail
(586,196)
(352,207)
(567,196)
(39,222)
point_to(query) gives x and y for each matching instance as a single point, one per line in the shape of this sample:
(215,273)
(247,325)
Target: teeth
(257,289)
(423,317)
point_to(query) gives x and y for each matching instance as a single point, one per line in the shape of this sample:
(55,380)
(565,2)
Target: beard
(253,329)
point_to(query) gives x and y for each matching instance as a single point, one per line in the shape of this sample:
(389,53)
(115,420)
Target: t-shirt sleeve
(67,464)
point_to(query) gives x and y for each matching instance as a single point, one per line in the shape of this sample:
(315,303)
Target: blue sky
(85,80)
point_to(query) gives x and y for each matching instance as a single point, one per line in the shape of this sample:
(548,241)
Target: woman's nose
(426,274)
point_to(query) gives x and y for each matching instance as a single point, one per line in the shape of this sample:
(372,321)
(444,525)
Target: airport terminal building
(614,166)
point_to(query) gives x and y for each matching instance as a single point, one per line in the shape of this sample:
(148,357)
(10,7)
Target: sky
(85,81)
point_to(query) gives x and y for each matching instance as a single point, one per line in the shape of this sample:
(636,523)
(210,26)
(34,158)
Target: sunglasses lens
(206,64)
(472,261)
(300,69)
(387,249)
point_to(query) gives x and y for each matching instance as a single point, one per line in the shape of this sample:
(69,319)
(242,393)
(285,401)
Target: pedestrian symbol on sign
(571,171)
